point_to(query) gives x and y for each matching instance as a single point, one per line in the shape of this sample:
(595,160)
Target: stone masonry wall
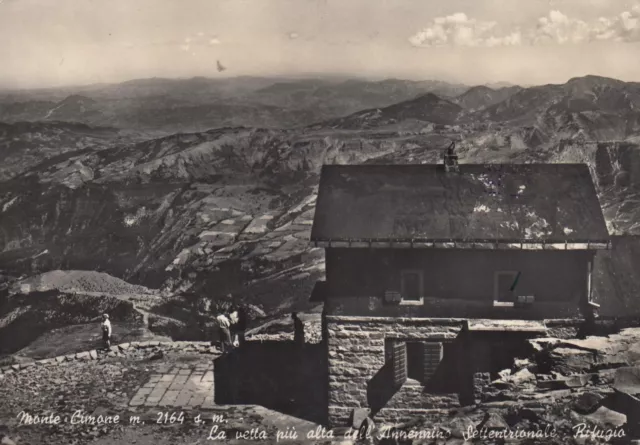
(356,349)
(357,365)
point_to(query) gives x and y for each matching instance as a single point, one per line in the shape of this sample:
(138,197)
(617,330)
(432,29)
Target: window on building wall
(411,286)
(414,360)
(505,283)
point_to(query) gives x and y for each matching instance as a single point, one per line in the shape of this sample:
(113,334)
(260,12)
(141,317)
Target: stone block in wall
(344,399)
(480,381)
(338,363)
(359,382)
(391,415)
(367,349)
(353,327)
(351,372)
(339,415)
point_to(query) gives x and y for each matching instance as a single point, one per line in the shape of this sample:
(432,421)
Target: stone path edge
(114,351)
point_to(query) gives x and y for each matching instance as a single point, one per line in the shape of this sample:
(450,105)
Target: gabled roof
(492,203)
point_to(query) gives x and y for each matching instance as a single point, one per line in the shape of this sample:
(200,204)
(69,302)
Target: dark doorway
(494,351)
(415,361)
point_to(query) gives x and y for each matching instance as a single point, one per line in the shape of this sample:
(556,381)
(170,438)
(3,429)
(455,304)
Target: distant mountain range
(229,208)
(198,104)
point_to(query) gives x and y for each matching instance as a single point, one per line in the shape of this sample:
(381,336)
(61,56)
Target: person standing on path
(241,324)
(224,333)
(106,331)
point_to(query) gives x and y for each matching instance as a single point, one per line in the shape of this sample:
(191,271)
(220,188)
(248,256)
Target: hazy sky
(63,42)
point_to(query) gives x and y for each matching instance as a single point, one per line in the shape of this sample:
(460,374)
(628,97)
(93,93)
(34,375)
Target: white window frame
(418,302)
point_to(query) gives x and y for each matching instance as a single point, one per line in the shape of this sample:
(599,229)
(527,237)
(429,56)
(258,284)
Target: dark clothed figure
(298,329)
(225,335)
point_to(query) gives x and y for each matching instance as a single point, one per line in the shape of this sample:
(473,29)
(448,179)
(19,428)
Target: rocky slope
(24,145)
(482,96)
(76,281)
(427,108)
(23,318)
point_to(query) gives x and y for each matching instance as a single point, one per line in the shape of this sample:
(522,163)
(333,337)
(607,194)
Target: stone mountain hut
(437,274)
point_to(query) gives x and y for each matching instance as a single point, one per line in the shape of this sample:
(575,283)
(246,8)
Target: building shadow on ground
(278,375)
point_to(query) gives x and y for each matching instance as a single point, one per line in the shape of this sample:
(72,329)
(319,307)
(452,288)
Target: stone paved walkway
(178,386)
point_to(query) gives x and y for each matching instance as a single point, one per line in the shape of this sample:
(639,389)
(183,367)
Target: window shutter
(433,353)
(399,356)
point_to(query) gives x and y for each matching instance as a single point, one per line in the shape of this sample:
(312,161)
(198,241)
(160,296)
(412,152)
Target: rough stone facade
(356,350)
(480,381)
(360,374)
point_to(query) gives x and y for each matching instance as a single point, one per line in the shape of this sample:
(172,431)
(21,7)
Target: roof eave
(604,244)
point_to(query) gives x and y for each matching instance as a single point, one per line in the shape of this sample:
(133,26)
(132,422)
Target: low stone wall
(120,350)
(357,378)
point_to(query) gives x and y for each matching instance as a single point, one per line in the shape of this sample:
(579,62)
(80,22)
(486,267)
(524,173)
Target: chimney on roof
(450,159)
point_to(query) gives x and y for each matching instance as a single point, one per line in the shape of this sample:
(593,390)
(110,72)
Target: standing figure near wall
(224,334)
(298,329)
(241,325)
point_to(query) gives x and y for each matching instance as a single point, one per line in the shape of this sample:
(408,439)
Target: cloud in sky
(554,28)
(460,30)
